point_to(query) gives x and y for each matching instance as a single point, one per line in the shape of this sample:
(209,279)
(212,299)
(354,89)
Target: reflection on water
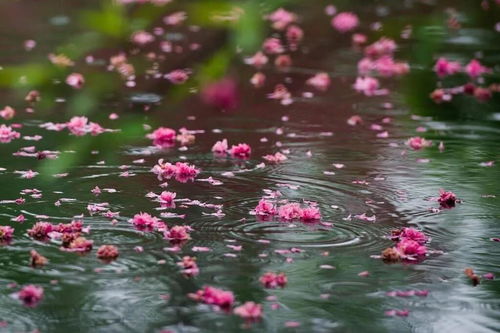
(146,291)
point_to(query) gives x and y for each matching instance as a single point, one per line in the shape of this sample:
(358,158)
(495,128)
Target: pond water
(346,170)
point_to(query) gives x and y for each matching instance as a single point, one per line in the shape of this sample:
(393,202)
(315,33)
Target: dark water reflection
(128,295)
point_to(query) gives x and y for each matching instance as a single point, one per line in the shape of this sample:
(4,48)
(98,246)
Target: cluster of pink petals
(410,245)
(258,60)
(7,134)
(220,147)
(280,18)
(144,221)
(379,58)
(214,296)
(281,93)
(30,295)
(166,198)
(294,35)
(250,311)
(241,150)
(288,211)
(7,113)
(163,137)
(265,208)
(273,45)
(383,47)
(444,67)
(417,143)
(142,37)
(41,230)
(273,280)
(275,158)
(409,233)
(178,233)
(320,81)
(354,120)
(345,21)
(75,80)
(181,171)
(73,226)
(108,252)
(475,69)
(410,248)
(178,76)
(189,266)
(447,199)
(384,66)
(80,244)
(367,85)
(6,233)
(80,126)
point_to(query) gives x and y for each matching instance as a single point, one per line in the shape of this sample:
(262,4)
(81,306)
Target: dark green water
(83,294)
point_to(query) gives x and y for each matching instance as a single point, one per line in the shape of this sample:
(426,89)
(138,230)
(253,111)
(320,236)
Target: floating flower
(7,134)
(41,230)
(345,21)
(178,76)
(265,208)
(249,311)
(144,221)
(417,143)
(75,80)
(475,279)
(142,38)
(475,69)
(167,198)
(81,244)
(258,80)
(294,35)
(258,60)
(384,46)
(447,199)
(273,46)
(408,247)
(411,234)
(276,158)
(281,18)
(30,295)
(354,120)
(6,233)
(214,296)
(37,260)
(181,170)
(242,150)
(273,280)
(108,252)
(366,85)
(310,214)
(443,67)
(7,113)
(163,137)
(391,254)
(320,81)
(189,266)
(178,233)
(290,211)
(220,147)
